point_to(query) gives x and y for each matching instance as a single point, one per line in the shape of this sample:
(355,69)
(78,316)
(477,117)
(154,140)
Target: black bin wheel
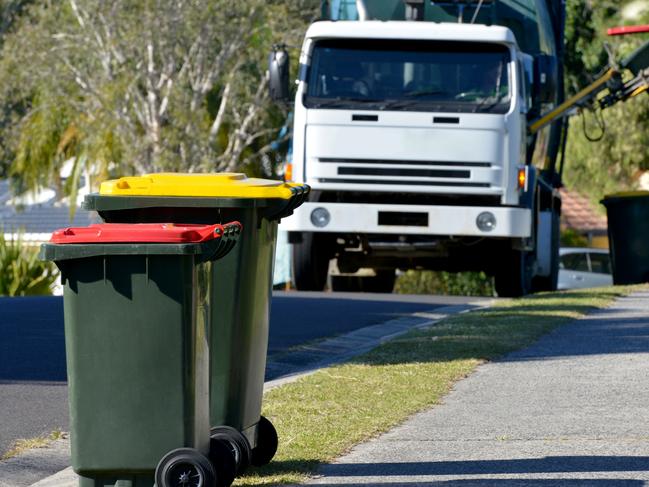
(237,443)
(185,467)
(224,461)
(266,447)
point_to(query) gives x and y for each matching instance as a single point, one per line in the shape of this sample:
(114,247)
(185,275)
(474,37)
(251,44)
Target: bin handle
(228,235)
(299,194)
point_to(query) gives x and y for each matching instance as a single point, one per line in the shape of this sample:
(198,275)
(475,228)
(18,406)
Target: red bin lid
(139,233)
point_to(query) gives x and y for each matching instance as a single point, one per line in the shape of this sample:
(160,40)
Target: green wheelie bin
(240,317)
(136,307)
(628,236)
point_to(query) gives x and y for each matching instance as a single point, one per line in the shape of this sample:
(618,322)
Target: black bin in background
(628,235)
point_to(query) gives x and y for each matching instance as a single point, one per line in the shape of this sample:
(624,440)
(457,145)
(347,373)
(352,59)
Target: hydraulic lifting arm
(612,80)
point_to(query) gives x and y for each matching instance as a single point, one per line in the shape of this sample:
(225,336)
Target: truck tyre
(310,262)
(514,277)
(549,283)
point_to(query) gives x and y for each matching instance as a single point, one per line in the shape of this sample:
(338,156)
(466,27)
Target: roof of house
(41,219)
(580,214)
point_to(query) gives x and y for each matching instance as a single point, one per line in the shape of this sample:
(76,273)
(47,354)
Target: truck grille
(402,162)
(408,182)
(418,173)
(394,172)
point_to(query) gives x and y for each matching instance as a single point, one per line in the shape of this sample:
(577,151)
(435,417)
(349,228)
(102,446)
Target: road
(33,390)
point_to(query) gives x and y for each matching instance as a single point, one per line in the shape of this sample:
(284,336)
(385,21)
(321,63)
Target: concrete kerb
(28,469)
(32,465)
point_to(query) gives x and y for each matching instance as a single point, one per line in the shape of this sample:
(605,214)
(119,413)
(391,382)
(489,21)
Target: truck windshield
(409,75)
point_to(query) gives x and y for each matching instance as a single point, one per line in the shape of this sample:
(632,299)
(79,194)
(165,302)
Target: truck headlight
(486,221)
(320,217)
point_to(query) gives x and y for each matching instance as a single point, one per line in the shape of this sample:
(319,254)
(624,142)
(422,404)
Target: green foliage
(23,274)
(125,88)
(10,12)
(611,164)
(570,238)
(447,283)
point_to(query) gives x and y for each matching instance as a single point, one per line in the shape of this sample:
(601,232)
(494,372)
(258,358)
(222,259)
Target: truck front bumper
(349,218)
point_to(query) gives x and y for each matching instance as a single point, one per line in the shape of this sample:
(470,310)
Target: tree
(10,11)
(132,87)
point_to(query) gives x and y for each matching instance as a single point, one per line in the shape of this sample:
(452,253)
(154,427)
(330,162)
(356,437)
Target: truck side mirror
(278,69)
(546,74)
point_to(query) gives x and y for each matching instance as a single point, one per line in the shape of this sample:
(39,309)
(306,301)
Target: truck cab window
(458,77)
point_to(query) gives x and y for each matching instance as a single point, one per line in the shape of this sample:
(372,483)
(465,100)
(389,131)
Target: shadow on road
(503,483)
(551,464)
(546,465)
(32,348)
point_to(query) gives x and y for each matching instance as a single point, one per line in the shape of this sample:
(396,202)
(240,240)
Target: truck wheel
(549,283)
(185,467)
(267,441)
(310,263)
(514,276)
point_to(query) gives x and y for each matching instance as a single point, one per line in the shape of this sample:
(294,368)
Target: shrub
(570,238)
(448,283)
(22,273)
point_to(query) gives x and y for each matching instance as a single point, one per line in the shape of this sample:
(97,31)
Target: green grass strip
(321,416)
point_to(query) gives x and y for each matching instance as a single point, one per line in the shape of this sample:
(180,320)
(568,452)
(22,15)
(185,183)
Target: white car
(584,267)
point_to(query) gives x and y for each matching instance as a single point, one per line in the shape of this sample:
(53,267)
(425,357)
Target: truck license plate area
(403,219)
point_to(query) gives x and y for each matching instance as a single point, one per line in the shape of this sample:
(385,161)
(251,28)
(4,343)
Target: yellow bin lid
(219,185)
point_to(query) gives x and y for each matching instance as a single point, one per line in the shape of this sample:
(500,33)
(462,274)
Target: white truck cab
(415,121)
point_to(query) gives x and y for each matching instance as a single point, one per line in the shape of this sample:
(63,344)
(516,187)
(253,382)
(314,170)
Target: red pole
(627,29)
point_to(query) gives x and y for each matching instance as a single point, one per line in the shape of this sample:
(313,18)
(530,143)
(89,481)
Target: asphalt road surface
(33,390)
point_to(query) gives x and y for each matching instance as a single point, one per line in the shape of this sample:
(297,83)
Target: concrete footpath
(572,410)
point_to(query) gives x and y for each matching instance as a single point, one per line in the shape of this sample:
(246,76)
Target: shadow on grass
(493,333)
(278,468)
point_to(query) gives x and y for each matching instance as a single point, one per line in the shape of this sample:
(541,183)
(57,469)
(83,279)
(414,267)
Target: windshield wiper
(420,93)
(339,101)
(388,104)
(492,100)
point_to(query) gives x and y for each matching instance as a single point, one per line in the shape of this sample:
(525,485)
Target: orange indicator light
(522,178)
(288,172)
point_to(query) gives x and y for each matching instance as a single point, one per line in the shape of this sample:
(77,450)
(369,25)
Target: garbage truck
(432,135)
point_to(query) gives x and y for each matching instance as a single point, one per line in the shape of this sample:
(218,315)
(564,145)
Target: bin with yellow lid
(241,308)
